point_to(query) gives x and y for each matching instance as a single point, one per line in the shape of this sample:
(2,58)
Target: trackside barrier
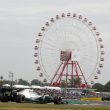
(91,99)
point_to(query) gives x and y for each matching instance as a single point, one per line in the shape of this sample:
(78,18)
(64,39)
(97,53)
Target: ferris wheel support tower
(69,60)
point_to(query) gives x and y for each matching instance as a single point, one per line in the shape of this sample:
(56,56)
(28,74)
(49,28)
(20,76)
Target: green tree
(99,87)
(75,82)
(1,77)
(63,83)
(22,82)
(36,82)
(107,87)
(2,82)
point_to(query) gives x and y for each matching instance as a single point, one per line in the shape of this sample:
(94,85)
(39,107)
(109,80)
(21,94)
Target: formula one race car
(24,95)
(28,95)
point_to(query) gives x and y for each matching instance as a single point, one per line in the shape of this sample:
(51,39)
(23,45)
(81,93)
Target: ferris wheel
(67,46)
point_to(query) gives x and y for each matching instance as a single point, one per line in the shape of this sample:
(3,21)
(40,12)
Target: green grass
(29,106)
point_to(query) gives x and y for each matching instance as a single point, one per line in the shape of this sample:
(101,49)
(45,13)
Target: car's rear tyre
(20,99)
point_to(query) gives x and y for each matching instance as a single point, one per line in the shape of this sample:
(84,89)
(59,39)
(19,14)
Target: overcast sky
(21,20)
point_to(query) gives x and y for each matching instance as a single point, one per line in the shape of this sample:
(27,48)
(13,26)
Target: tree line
(102,88)
(22,82)
(73,83)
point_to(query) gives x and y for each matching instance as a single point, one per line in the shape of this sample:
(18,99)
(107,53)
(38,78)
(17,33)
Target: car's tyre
(4,99)
(20,99)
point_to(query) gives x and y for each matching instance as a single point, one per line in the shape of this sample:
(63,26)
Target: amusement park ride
(69,46)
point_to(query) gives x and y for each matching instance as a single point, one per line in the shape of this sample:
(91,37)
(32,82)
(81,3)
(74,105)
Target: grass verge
(30,106)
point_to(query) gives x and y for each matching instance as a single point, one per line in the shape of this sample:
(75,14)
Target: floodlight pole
(11,75)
